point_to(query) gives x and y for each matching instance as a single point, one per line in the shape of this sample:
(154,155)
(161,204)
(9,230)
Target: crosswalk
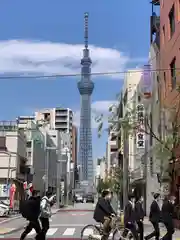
(75,233)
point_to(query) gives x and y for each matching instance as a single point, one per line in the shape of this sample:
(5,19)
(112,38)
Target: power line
(91,74)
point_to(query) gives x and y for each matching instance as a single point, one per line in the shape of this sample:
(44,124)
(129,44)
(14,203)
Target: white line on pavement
(69,232)
(68,225)
(52,231)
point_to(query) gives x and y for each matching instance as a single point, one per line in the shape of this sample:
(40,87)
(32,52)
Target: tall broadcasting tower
(85,86)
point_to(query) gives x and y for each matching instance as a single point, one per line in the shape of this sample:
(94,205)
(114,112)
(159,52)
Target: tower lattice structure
(85,86)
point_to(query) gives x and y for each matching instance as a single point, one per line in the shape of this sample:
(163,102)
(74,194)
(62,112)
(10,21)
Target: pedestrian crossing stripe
(72,231)
(51,231)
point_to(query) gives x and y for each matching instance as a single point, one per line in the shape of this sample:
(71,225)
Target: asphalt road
(64,224)
(68,224)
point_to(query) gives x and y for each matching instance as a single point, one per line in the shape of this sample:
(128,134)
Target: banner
(146,82)
(12,194)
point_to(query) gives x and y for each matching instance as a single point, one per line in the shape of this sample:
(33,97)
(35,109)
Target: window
(173,73)
(172,21)
(163,35)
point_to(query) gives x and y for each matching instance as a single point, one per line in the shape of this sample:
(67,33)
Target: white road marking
(69,232)
(68,225)
(52,231)
(32,233)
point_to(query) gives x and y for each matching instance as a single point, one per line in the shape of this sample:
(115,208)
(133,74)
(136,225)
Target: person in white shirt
(46,204)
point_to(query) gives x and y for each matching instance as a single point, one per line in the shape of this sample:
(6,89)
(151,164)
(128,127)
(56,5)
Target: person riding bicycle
(104,212)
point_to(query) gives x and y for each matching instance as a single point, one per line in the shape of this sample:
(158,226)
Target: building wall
(74,145)
(16,146)
(131,82)
(169,48)
(154,116)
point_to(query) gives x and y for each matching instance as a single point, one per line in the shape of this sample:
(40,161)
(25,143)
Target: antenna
(86,15)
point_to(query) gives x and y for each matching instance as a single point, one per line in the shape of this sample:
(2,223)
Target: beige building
(12,156)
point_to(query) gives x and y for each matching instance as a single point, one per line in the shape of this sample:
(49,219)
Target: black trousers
(32,225)
(155,233)
(140,229)
(132,227)
(170,230)
(45,227)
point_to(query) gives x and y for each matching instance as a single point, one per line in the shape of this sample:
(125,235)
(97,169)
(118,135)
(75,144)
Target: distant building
(13,168)
(60,119)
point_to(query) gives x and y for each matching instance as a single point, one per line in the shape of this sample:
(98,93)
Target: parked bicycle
(95,231)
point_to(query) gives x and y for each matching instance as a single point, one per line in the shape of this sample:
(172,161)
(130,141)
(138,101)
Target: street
(66,224)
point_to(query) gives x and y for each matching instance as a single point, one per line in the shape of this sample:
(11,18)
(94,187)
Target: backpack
(46,210)
(28,209)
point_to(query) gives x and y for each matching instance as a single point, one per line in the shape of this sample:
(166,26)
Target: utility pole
(125,168)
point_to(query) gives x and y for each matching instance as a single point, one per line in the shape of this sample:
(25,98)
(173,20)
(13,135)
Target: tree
(166,147)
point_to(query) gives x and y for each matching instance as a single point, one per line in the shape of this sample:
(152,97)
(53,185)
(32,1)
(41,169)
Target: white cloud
(37,57)
(98,107)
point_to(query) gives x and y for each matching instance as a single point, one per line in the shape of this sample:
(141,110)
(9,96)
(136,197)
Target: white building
(59,119)
(129,97)
(12,157)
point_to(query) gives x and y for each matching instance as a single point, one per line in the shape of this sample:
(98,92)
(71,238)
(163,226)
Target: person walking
(30,209)
(167,217)
(46,204)
(130,217)
(154,217)
(139,213)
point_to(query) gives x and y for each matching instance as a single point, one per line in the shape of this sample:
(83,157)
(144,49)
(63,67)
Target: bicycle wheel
(124,234)
(89,230)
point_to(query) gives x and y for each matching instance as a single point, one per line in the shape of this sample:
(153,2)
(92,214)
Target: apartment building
(129,97)
(170,59)
(12,157)
(60,119)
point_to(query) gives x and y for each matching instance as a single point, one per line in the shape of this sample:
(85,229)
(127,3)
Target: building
(131,82)
(74,144)
(85,87)
(41,154)
(13,159)
(60,119)
(112,151)
(170,59)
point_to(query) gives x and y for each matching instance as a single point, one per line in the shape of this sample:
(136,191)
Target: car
(78,198)
(89,198)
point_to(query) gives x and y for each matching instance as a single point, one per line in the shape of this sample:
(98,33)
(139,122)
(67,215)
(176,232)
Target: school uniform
(167,219)
(154,218)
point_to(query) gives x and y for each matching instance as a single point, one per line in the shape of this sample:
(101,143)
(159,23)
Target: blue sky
(45,37)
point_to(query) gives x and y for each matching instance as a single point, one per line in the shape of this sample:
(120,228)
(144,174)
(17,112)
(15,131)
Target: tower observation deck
(85,87)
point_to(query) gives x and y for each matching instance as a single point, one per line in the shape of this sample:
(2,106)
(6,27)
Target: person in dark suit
(104,212)
(130,217)
(139,213)
(167,217)
(154,217)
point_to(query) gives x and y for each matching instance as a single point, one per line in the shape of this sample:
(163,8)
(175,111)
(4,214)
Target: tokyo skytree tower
(85,87)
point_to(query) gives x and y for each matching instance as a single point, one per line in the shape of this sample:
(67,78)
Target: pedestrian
(46,204)
(130,217)
(104,213)
(139,213)
(167,217)
(154,217)
(30,210)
